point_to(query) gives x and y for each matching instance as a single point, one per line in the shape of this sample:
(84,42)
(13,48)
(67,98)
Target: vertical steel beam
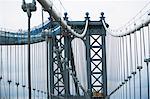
(88,62)
(88,58)
(104,67)
(67,44)
(66,64)
(51,67)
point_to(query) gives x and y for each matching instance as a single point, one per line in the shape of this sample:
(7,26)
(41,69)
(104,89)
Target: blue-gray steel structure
(60,53)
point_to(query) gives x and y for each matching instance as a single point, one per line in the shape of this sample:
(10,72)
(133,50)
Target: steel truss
(60,53)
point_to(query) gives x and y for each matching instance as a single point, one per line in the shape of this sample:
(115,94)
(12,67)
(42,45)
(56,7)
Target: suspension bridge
(63,59)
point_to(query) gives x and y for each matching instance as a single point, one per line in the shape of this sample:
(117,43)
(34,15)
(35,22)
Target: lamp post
(28,8)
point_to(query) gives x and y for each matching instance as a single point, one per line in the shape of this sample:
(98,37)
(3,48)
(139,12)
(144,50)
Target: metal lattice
(95,59)
(96,63)
(59,88)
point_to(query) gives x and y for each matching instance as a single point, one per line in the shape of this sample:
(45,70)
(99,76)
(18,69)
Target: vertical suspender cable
(13,62)
(10,71)
(140,67)
(42,13)
(35,72)
(127,71)
(126,89)
(117,54)
(21,62)
(1,70)
(34,68)
(18,71)
(8,66)
(38,93)
(115,63)
(123,56)
(143,37)
(40,66)
(119,64)
(131,58)
(5,74)
(37,67)
(145,57)
(44,63)
(7,63)
(136,51)
(119,57)
(47,67)
(34,93)
(39,78)
(15,65)
(123,65)
(37,64)
(135,63)
(41,69)
(131,65)
(123,93)
(32,72)
(140,83)
(147,63)
(24,66)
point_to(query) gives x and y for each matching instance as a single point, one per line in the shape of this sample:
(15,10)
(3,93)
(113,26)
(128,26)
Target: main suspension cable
(47,5)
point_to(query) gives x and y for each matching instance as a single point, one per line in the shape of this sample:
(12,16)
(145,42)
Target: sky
(117,12)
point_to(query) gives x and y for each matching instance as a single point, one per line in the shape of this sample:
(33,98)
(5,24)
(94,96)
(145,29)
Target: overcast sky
(117,12)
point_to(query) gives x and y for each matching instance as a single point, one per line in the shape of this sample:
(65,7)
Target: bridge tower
(61,57)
